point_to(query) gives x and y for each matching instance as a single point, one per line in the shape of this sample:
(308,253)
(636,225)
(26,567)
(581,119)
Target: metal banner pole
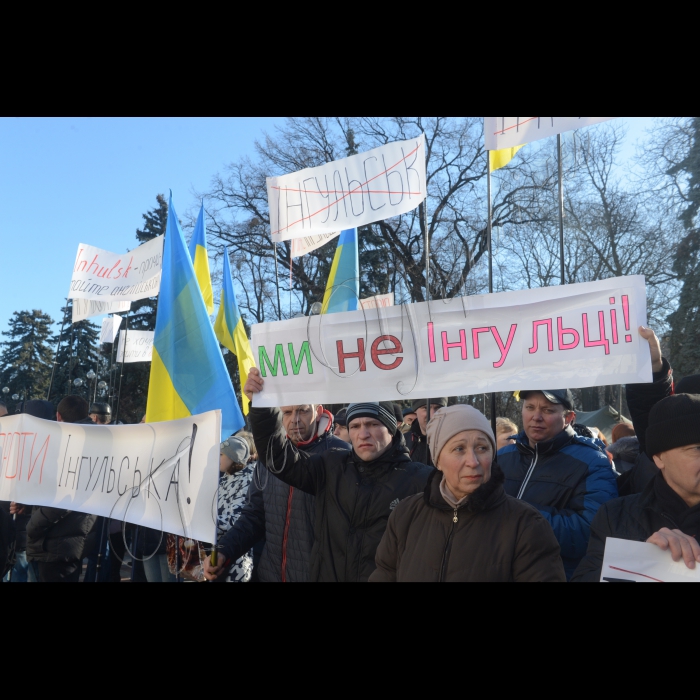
(277,280)
(489,237)
(55,358)
(121,374)
(561,210)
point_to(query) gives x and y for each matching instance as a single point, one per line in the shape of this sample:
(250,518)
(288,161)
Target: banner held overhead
(84,308)
(355,191)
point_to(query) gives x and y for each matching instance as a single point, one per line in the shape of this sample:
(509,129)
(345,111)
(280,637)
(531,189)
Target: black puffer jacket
(353,498)
(637,517)
(54,534)
(284,516)
(417,444)
(490,537)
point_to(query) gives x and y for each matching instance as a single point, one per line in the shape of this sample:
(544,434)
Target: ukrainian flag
(188,374)
(343,288)
(501,158)
(200,260)
(230,330)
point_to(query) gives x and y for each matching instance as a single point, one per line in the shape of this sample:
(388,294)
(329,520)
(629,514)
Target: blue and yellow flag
(200,260)
(343,288)
(188,374)
(230,330)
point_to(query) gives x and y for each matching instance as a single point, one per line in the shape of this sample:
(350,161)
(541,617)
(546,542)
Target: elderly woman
(464,527)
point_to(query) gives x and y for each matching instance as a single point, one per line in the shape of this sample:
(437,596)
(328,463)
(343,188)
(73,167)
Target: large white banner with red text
(555,337)
(355,191)
(159,475)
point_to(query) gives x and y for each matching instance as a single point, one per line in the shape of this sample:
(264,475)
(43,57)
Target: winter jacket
(57,535)
(20,525)
(490,537)
(417,444)
(282,515)
(354,498)
(641,398)
(637,517)
(624,453)
(566,479)
(232,495)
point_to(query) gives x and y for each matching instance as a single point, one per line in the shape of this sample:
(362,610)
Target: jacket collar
(545,447)
(487,496)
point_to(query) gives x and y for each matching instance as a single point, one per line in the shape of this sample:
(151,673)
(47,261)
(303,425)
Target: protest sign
(506,132)
(110,328)
(139,346)
(358,190)
(302,246)
(573,336)
(643,562)
(84,308)
(378,300)
(159,475)
(104,276)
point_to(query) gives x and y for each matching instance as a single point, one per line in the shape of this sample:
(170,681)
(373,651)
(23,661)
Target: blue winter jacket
(566,479)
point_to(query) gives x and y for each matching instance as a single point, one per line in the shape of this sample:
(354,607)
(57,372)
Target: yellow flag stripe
(169,405)
(499,159)
(201,270)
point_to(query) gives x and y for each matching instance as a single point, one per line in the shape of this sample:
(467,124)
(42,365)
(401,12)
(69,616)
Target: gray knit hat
(236,449)
(449,421)
(424,402)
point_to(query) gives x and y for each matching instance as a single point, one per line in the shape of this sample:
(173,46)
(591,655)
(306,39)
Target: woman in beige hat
(464,527)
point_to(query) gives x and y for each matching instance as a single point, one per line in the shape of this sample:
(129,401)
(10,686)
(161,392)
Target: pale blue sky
(64,181)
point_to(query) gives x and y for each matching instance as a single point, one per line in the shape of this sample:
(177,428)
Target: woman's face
(224,463)
(465,460)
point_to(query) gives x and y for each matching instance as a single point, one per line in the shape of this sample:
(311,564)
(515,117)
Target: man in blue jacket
(565,476)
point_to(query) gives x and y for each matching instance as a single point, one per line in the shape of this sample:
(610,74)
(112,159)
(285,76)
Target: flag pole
(58,345)
(424,207)
(111,373)
(121,374)
(489,227)
(277,279)
(561,210)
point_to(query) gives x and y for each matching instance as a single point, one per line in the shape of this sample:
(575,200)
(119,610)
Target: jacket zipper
(526,480)
(445,554)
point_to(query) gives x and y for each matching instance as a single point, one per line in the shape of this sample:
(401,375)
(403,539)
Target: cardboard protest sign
(553,337)
(643,562)
(507,132)
(84,308)
(100,275)
(302,246)
(110,328)
(139,346)
(159,475)
(358,190)
(378,300)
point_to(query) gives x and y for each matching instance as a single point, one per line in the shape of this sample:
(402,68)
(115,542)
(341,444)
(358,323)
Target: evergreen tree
(142,317)
(27,355)
(78,353)
(685,321)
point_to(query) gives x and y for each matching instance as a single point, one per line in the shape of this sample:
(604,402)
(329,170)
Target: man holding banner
(355,490)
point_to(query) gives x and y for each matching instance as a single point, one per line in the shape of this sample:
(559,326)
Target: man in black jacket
(416,438)
(278,513)
(55,536)
(667,512)
(355,490)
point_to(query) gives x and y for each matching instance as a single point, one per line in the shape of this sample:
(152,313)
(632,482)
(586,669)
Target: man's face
(341,431)
(681,470)
(409,418)
(101,419)
(542,419)
(421,413)
(300,421)
(369,438)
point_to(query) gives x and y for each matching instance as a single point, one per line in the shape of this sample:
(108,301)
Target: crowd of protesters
(382,493)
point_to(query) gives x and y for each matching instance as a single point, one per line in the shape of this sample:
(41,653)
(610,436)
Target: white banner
(358,190)
(159,475)
(139,346)
(643,562)
(104,276)
(110,328)
(554,337)
(84,308)
(378,300)
(506,132)
(302,246)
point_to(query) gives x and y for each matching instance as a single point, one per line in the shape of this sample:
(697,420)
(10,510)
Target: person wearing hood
(564,475)
(667,512)
(355,489)
(416,438)
(277,511)
(464,527)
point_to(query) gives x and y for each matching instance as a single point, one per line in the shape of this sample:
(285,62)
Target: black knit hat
(433,402)
(689,385)
(673,422)
(341,417)
(383,412)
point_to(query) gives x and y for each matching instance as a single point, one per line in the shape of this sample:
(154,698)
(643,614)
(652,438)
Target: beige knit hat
(447,422)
